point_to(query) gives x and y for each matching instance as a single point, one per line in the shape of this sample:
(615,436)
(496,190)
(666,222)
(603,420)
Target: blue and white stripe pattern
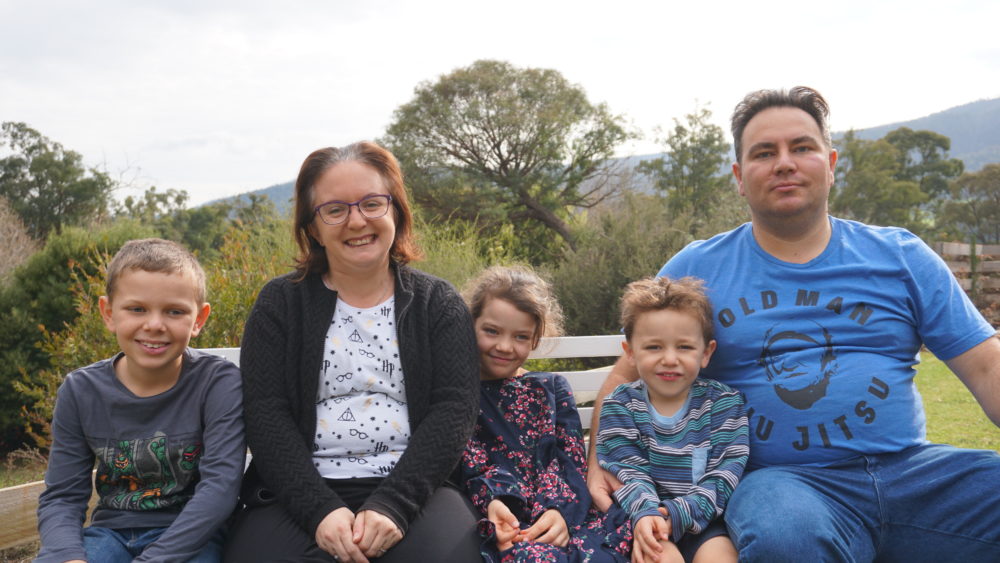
(688,463)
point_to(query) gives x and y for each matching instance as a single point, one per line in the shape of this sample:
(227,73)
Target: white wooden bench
(18,505)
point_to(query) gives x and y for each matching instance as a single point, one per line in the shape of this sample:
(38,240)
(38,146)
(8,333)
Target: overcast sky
(223,97)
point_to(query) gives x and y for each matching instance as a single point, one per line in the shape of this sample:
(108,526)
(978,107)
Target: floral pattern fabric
(527,450)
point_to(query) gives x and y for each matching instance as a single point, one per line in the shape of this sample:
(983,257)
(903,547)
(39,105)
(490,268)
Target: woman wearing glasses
(360,383)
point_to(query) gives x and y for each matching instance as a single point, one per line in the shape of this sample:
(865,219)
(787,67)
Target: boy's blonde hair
(655,294)
(524,289)
(154,255)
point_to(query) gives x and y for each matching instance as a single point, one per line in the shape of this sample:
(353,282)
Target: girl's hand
(649,532)
(550,528)
(335,535)
(375,533)
(508,529)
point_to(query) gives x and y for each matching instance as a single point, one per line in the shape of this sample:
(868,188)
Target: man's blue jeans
(106,545)
(926,503)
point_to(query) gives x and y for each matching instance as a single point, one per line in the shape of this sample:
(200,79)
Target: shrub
(625,241)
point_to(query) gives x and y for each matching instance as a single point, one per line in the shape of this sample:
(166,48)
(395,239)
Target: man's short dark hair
(801,97)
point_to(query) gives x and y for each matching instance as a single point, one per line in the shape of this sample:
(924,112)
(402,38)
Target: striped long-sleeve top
(688,463)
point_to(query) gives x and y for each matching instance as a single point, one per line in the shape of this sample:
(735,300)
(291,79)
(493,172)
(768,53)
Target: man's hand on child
(601,484)
(507,527)
(650,532)
(550,528)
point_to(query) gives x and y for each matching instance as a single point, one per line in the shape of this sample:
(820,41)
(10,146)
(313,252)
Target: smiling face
(154,316)
(358,246)
(505,336)
(786,169)
(668,350)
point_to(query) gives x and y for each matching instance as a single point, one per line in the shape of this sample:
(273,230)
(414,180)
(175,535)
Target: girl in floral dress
(525,466)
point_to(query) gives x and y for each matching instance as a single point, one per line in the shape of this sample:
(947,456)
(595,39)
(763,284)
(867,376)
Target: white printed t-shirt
(362,424)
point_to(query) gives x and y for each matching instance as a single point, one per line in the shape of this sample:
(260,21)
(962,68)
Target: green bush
(248,258)
(457,251)
(622,242)
(37,298)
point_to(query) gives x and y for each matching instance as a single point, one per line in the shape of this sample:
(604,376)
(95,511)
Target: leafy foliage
(457,251)
(923,158)
(868,187)
(973,212)
(623,242)
(248,258)
(201,229)
(17,245)
(48,186)
(692,177)
(495,143)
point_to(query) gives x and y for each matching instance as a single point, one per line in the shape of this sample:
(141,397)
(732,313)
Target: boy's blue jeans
(107,545)
(926,503)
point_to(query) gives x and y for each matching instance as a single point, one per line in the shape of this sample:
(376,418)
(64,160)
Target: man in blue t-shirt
(819,322)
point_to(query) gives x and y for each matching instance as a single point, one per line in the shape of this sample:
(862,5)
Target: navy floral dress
(527,449)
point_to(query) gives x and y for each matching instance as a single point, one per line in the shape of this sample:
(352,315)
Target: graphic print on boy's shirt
(146,474)
(362,425)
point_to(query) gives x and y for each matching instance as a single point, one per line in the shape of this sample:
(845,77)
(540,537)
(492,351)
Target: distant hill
(974,130)
(280,194)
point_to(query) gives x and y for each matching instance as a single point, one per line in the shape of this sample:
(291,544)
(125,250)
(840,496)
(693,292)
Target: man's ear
(738,174)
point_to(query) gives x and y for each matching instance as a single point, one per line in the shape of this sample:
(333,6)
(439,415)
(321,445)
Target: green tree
(201,229)
(153,206)
(47,185)
(692,176)
(510,144)
(923,158)
(973,212)
(868,187)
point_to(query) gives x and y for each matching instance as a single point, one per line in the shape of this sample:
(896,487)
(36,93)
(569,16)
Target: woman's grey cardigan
(280,359)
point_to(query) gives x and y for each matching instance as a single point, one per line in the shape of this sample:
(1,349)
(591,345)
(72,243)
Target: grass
(22,466)
(953,415)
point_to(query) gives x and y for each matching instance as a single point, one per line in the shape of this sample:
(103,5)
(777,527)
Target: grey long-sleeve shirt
(172,460)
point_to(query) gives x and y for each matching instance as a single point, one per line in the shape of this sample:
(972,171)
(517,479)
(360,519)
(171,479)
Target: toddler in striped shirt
(677,442)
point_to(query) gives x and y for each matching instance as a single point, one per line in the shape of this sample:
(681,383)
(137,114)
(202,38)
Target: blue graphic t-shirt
(824,351)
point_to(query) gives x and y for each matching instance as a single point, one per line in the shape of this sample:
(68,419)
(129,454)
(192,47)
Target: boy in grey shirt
(163,422)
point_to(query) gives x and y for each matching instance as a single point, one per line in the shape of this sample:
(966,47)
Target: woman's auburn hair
(312,257)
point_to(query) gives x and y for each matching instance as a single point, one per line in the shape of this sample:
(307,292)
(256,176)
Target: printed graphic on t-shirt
(146,474)
(800,364)
(362,422)
(800,356)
